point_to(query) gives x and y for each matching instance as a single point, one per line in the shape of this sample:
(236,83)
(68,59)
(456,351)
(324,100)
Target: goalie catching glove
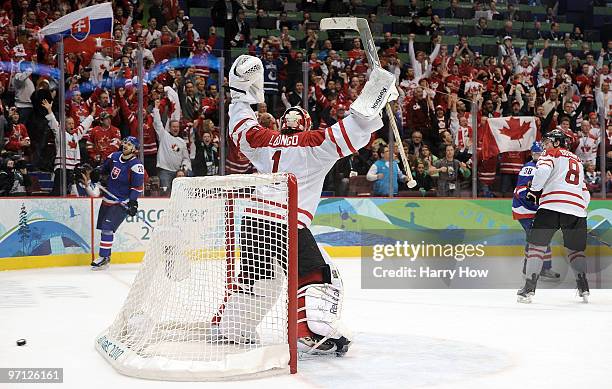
(246,80)
(377,92)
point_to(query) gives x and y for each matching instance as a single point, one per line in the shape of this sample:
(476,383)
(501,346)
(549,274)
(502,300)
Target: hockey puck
(21,342)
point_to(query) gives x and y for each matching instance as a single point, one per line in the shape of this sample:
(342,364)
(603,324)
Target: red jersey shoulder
(555,153)
(259,136)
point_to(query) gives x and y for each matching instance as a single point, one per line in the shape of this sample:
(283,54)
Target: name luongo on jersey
(284,140)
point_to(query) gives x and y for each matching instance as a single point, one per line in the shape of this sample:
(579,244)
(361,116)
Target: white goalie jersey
(309,155)
(560,177)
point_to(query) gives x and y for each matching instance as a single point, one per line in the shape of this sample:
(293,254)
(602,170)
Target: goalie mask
(295,119)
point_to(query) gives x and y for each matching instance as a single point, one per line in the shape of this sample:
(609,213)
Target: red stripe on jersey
(530,256)
(551,164)
(333,139)
(263,212)
(346,137)
(301,224)
(305,212)
(240,123)
(561,192)
(562,201)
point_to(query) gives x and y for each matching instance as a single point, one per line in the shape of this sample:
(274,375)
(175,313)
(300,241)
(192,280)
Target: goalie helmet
(295,119)
(556,135)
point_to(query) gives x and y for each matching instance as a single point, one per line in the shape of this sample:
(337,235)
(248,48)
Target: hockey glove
(533,196)
(132,207)
(376,93)
(246,80)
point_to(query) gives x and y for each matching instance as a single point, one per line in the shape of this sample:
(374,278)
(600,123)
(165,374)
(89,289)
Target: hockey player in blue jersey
(524,211)
(125,182)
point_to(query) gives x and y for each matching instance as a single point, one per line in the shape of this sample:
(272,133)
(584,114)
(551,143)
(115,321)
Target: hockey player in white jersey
(309,155)
(558,188)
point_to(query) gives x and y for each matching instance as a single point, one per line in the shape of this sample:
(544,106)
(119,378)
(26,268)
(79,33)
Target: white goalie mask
(295,119)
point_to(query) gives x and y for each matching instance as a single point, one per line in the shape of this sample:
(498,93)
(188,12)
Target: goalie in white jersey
(309,155)
(559,189)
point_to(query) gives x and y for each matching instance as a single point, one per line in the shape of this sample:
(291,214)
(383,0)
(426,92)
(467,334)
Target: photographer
(14,179)
(84,185)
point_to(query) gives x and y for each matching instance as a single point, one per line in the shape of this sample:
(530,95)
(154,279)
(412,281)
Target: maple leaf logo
(515,130)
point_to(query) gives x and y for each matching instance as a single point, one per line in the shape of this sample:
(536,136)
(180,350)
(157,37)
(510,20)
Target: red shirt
(103,141)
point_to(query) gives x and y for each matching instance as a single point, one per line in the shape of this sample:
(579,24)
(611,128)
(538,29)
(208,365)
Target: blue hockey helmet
(536,147)
(133,140)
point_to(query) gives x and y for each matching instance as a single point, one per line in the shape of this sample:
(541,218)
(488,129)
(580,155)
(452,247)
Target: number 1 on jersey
(276,159)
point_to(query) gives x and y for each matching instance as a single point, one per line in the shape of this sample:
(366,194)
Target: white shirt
(560,177)
(172,153)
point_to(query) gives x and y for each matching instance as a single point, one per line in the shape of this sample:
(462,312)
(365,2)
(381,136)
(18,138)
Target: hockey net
(215,296)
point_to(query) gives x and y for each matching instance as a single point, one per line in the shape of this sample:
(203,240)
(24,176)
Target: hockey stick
(361,25)
(103,189)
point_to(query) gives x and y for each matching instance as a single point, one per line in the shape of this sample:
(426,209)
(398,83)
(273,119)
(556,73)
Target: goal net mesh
(211,297)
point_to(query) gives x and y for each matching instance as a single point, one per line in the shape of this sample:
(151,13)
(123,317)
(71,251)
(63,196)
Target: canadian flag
(516,133)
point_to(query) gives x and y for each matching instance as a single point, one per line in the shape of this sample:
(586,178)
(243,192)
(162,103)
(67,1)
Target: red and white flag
(516,133)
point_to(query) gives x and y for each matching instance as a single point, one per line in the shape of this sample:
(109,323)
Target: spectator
(424,181)
(587,144)
(555,33)
(152,35)
(592,178)
(451,12)
(173,154)
(83,185)
(204,154)
(379,173)
(237,31)
(449,170)
(73,153)
(272,68)
(14,178)
(104,139)
(224,11)
(294,98)
(23,87)
(16,138)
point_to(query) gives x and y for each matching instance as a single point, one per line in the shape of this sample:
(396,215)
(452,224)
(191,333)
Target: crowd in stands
(444,73)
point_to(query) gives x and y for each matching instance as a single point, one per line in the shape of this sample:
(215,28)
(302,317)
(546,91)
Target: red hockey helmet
(295,119)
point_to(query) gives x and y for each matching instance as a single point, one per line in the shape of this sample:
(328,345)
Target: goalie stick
(361,25)
(103,189)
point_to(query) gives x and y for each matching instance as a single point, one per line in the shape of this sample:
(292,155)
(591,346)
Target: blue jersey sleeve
(137,175)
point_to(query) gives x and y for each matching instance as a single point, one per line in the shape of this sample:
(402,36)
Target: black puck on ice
(21,342)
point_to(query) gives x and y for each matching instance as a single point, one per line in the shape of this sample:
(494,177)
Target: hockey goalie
(309,155)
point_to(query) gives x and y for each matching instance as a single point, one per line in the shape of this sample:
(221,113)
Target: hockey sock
(577,260)
(314,277)
(535,257)
(106,243)
(547,258)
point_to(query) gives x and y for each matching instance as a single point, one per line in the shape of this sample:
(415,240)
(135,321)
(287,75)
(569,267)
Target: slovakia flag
(82,30)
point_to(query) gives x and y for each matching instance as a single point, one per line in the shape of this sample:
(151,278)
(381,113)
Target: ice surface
(403,338)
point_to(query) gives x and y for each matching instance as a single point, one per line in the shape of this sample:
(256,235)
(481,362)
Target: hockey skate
(526,294)
(549,275)
(583,287)
(100,263)
(312,345)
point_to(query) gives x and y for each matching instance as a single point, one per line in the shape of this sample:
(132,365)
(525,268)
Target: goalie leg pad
(376,93)
(320,298)
(245,309)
